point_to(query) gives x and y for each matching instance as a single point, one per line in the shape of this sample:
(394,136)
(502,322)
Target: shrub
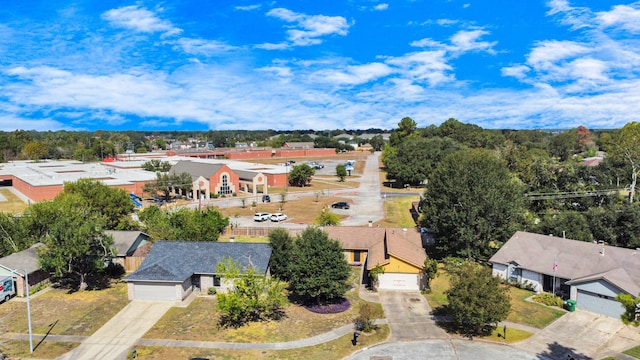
(548,299)
(364,321)
(330,308)
(211,291)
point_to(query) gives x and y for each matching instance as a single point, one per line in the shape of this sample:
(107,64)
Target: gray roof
(124,240)
(195,169)
(246,174)
(175,261)
(23,260)
(577,261)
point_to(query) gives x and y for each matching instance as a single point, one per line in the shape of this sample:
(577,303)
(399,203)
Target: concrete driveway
(113,340)
(409,316)
(583,335)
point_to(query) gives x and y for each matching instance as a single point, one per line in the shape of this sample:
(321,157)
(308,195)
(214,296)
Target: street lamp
(26,280)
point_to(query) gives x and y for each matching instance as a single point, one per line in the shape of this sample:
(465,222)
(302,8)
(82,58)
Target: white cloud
(204,47)
(139,19)
(622,16)
(426,67)
(518,71)
(381,7)
(354,75)
(248,7)
(272,46)
(446,22)
(546,54)
(467,40)
(308,29)
(427,43)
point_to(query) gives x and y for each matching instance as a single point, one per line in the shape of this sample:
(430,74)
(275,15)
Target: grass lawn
(335,349)
(13,204)
(522,311)
(398,212)
(79,313)
(634,351)
(199,321)
(45,350)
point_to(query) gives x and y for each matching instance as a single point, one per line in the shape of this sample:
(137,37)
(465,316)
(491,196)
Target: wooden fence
(256,231)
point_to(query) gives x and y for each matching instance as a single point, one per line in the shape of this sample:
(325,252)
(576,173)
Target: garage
(397,281)
(154,291)
(599,303)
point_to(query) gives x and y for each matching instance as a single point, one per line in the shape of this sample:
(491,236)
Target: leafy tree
(415,158)
(327,218)
(631,305)
(75,243)
(476,298)
(13,234)
(341,172)
(319,271)
(113,204)
(253,297)
(282,254)
(167,182)
(184,224)
(300,175)
(406,127)
(157,165)
(624,145)
(156,223)
(377,142)
(430,270)
(564,145)
(35,150)
(628,226)
(570,224)
(472,203)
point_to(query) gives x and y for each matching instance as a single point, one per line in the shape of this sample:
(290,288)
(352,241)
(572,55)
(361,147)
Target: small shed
(126,243)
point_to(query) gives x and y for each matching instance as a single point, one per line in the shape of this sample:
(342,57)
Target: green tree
(569,224)
(113,204)
(300,175)
(157,165)
(327,218)
(406,127)
(282,254)
(430,270)
(14,234)
(472,203)
(341,172)
(476,299)
(377,142)
(319,271)
(624,146)
(156,223)
(631,305)
(253,297)
(75,243)
(35,150)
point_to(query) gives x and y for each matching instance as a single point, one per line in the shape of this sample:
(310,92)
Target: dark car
(266,198)
(340,205)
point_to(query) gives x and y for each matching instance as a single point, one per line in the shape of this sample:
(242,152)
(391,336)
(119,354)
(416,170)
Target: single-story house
(174,269)
(593,274)
(398,250)
(126,243)
(24,262)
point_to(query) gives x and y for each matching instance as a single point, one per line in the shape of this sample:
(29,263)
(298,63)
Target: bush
(364,321)
(548,299)
(330,308)
(211,291)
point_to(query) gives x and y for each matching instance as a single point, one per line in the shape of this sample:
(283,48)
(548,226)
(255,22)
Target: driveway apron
(113,340)
(409,316)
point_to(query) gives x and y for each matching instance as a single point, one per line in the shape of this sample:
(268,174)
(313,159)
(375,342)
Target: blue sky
(286,65)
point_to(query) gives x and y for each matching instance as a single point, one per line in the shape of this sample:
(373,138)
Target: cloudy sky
(285,65)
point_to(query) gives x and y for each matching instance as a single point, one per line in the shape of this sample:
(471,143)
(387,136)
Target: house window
(356,256)
(216,280)
(225,189)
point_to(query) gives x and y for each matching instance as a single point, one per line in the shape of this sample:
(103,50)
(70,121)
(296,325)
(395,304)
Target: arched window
(225,189)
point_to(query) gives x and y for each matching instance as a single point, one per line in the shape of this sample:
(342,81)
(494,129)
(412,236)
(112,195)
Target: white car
(261,216)
(278,217)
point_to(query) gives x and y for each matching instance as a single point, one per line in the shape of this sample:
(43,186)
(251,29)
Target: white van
(7,290)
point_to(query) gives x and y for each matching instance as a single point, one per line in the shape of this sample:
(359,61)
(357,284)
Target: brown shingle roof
(404,244)
(578,261)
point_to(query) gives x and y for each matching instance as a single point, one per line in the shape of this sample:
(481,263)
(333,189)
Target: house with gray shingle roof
(593,274)
(126,243)
(174,269)
(25,263)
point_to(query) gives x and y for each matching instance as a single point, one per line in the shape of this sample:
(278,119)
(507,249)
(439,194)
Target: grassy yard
(199,321)
(11,203)
(335,349)
(45,350)
(634,351)
(398,212)
(522,311)
(79,313)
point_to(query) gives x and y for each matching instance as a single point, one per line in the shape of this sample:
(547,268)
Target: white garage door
(394,281)
(599,304)
(155,292)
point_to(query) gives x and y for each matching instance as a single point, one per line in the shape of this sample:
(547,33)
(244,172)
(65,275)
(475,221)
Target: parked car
(278,217)
(315,165)
(261,216)
(340,205)
(266,198)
